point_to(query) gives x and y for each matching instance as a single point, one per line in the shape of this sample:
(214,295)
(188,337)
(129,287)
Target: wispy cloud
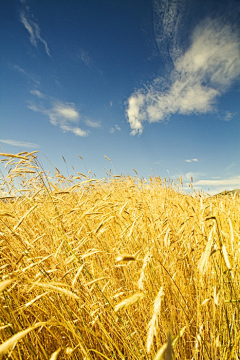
(213,185)
(228,116)
(167,21)
(19,69)
(93,124)
(85,57)
(202,74)
(230,182)
(31,25)
(38,93)
(75,130)
(192,160)
(61,114)
(22,144)
(229,167)
(88,60)
(31,77)
(193,175)
(114,128)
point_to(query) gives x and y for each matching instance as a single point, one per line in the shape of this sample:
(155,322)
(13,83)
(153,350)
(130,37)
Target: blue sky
(153,85)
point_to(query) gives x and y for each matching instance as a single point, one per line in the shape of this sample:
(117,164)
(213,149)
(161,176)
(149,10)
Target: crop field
(115,268)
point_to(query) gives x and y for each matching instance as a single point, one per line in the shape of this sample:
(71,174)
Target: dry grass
(108,269)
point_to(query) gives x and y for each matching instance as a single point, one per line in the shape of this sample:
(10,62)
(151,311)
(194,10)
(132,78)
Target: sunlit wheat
(115,268)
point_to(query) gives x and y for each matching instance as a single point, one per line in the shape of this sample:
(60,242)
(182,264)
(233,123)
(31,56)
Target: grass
(115,268)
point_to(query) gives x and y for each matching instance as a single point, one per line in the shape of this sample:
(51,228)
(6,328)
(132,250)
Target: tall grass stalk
(109,268)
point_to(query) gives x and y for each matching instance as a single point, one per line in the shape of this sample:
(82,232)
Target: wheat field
(115,268)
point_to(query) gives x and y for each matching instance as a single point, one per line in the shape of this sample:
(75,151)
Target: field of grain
(116,268)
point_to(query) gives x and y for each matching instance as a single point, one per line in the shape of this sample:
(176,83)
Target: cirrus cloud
(33,29)
(22,144)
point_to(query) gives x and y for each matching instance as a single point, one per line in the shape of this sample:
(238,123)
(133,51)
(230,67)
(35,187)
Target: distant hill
(229,192)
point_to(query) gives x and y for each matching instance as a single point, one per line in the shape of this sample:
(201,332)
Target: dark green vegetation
(235,192)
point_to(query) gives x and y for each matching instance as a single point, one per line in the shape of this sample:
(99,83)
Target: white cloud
(136,112)
(22,144)
(228,116)
(193,175)
(231,182)
(114,128)
(211,186)
(75,130)
(206,70)
(93,124)
(35,108)
(33,29)
(38,93)
(189,161)
(61,114)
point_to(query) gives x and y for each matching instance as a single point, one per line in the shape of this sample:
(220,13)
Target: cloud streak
(33,29)
(232,182)
(87,60)
(38,93)
(214,185)
(202,74)
(62,114)
(93,124)
(19,69)
(189,161)
(85,57)
(22,144)
(31,77)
